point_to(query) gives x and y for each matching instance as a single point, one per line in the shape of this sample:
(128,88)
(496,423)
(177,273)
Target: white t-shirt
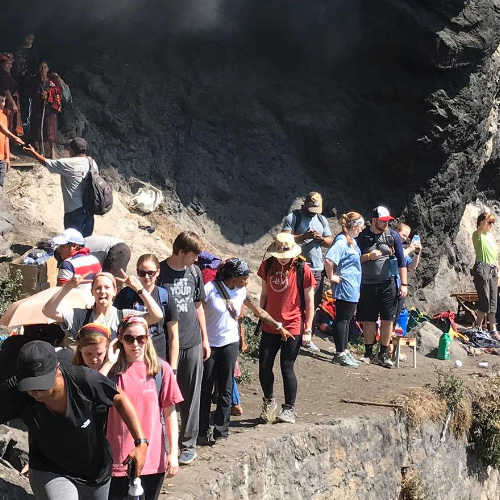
(222,328)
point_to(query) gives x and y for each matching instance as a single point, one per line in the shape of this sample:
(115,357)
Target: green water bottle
(444,346)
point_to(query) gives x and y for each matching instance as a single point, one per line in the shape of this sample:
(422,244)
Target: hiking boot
(311,347)
(287,415)
(186,457)
(236,410)
(269,410)
(345,360)
(385,360)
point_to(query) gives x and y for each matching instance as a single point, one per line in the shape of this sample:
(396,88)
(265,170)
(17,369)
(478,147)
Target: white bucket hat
(284,247)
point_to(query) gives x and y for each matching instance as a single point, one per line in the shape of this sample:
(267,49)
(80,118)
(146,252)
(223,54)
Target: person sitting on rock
(312,232)
(73,172)
(287,295)
(76,258)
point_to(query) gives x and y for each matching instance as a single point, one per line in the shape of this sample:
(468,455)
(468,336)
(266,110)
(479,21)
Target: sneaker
(385,360)
(345,360)
(269,410)
(287,415)
(366,359)
(236,410)
(352,358)
(311,347)
(186,457)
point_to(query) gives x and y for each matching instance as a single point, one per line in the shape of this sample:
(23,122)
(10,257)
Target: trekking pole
(41,129)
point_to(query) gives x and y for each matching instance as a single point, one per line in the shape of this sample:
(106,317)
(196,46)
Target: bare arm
(203,327)
(403,274)
(30,149)
(10,135)
(50,309)
(309,298)
(155,312)
(414,263)
(263,294)
(173,343)
(172,430)
(127,412)
(7,153)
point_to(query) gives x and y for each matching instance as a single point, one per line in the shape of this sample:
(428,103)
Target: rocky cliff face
(236,109)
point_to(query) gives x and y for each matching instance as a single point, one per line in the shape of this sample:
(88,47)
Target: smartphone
(415,239)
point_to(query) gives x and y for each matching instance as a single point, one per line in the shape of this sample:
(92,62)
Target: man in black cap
(64,408)
(73,172)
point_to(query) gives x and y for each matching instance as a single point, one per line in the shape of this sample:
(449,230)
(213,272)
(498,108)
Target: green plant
(252,340)
(10,291)
(450,388)
(246,373)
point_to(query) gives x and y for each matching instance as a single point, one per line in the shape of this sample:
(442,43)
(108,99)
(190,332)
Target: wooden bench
(467,303)
(397,342)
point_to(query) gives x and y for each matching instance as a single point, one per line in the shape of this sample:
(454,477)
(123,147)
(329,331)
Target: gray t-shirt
(311,249)
(99,246)
(74,319)
(186,287)
(72,172)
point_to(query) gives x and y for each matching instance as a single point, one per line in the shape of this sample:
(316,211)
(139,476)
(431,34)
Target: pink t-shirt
(141,390)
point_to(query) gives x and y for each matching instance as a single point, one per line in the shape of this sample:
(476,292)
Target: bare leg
(369,332)
(479,318)
(492,321)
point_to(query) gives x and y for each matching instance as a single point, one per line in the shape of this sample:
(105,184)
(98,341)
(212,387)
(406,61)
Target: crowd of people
(165,341)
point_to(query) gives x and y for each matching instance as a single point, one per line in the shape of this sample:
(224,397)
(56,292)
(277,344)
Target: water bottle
(135,490)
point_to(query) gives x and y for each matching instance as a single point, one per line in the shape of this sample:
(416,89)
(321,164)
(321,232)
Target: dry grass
(461,420)
(423,404)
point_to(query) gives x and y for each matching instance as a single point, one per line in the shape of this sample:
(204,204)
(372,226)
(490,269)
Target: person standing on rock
(64,408)
(312,232)
(288,296)
(382,258)
(184,280)
(485,271)
(343,269)
(73,172)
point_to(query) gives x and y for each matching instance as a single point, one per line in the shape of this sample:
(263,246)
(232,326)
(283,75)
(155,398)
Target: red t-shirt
(283,297)
(3,139)
(141,389)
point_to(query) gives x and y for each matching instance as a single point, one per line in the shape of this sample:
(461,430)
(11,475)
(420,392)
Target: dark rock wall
(237,108)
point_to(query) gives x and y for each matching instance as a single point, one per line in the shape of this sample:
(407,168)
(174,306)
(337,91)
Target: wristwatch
(139,441)
(308,331)
(139,292)
(174,371)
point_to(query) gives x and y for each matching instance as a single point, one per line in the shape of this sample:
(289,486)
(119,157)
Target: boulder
(13,486)
(428,341)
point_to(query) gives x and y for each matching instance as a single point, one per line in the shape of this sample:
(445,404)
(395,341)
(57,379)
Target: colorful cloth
(53,106)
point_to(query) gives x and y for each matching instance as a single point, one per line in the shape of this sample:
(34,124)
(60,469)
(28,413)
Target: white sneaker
(311,347)
(366,359)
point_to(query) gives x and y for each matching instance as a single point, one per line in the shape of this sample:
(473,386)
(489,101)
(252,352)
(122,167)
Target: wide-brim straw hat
(284,247)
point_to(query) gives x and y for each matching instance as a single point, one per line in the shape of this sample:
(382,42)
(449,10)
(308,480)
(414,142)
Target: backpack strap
(298,219)
(300,265)
(219,286)
(163,295)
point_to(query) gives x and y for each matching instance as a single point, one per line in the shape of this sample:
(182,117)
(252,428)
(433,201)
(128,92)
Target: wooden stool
(397,341)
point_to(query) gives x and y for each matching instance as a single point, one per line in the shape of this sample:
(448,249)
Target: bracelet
(368,256)
(174,371)
(404,284)
(307,331)
(278,326)
(139,292)
(139,441)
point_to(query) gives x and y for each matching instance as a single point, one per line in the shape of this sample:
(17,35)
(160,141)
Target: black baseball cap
(36,366)
(78,145)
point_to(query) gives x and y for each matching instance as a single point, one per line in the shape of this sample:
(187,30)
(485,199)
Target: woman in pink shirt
(137,370)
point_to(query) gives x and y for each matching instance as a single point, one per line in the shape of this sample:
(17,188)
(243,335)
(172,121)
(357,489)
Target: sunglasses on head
(130,339)
(142,273)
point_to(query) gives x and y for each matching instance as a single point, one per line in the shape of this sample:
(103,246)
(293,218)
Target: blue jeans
(235,395)
(80,220)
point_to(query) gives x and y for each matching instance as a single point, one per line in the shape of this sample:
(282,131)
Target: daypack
(298,219)
(67,98)
(162,293)
(97,193)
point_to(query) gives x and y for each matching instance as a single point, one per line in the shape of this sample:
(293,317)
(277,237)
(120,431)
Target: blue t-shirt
(408,261)
(347,259)
(311,249)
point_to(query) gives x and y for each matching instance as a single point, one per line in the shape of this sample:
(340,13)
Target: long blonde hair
(150,355)
(347,221)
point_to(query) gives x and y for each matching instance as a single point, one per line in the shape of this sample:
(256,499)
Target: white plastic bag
(147,199)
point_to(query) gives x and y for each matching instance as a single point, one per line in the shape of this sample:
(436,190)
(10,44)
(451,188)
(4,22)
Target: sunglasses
(143,273)
(130,339)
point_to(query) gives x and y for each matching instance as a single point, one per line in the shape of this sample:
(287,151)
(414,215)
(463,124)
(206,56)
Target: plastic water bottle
(135,490)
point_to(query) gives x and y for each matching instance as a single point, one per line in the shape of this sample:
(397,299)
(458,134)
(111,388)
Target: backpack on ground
(97,193)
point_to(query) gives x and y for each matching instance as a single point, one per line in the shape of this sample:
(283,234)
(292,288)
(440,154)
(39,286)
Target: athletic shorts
(485,278)
(378,299)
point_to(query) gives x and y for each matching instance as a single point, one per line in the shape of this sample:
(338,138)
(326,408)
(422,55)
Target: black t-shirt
(186,287)
(129,299)
(73,445)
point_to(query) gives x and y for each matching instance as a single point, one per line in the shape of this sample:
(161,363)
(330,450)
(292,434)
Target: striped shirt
(80,263)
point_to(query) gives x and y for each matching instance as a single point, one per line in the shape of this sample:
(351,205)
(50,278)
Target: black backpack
(97,193)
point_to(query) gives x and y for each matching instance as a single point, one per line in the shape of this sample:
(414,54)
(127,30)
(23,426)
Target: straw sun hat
(284,247)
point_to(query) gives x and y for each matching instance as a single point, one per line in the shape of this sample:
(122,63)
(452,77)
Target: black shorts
(375,299)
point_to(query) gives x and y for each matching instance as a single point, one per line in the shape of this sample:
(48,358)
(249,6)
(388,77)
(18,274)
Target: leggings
(344,312)
(270,344)
(151,483)
(52,486)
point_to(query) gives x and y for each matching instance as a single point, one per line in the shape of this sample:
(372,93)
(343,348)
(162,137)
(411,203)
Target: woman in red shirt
(292,306)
